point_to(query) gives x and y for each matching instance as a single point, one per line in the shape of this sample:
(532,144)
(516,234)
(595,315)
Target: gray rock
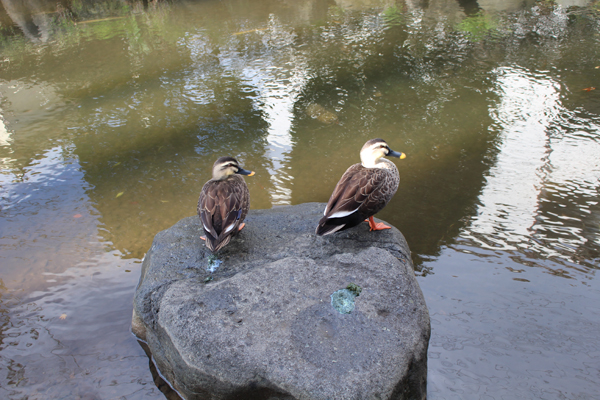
(264,327)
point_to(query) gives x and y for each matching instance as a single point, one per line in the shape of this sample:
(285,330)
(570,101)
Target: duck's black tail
(327,226)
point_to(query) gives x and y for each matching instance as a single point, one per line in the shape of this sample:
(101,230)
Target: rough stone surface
(264,326)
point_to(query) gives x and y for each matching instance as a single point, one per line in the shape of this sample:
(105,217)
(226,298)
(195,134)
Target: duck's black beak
(396,154)
(243,171)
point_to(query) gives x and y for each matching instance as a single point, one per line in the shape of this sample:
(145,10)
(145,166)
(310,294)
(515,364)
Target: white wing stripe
(337,228)
(341,214)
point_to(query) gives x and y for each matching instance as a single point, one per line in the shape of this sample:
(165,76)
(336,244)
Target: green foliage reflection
(393,16)
(68,26)
(477,26)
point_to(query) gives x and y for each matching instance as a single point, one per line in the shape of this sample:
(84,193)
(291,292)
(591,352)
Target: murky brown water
(112,115)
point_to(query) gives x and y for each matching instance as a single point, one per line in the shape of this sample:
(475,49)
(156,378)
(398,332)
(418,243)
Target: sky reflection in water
(110,129)
(531,167)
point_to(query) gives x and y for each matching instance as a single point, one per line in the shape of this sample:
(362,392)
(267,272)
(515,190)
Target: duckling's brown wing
(360,193)
(222,207)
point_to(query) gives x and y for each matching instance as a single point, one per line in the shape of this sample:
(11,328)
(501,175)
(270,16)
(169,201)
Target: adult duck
(363,190)
(224,202)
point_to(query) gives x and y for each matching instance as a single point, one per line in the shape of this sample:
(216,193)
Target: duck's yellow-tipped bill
(402,156)
(243,171)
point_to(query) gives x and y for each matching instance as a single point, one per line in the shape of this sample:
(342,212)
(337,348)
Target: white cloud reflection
(509,200)
(5,141)
(278,75)
(5,138)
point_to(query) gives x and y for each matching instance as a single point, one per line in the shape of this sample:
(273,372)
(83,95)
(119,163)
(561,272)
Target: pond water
(112,114)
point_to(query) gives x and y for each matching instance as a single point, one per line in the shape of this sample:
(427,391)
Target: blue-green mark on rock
(213,263)
(343,299)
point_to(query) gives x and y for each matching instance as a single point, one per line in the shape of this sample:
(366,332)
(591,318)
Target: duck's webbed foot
(376,226)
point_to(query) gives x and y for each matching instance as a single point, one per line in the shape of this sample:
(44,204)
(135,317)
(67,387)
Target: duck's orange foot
(379,226)
(242,225)
(203,238)
(376,226)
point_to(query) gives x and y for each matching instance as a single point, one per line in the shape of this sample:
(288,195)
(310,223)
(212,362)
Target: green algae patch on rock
(354,288)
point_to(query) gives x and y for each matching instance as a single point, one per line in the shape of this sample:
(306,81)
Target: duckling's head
(227,166)
(374,150)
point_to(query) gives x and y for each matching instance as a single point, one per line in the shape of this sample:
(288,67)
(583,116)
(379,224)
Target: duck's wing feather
(206,207)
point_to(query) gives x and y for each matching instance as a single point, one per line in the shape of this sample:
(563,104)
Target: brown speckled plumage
(223,205)
(361,192)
